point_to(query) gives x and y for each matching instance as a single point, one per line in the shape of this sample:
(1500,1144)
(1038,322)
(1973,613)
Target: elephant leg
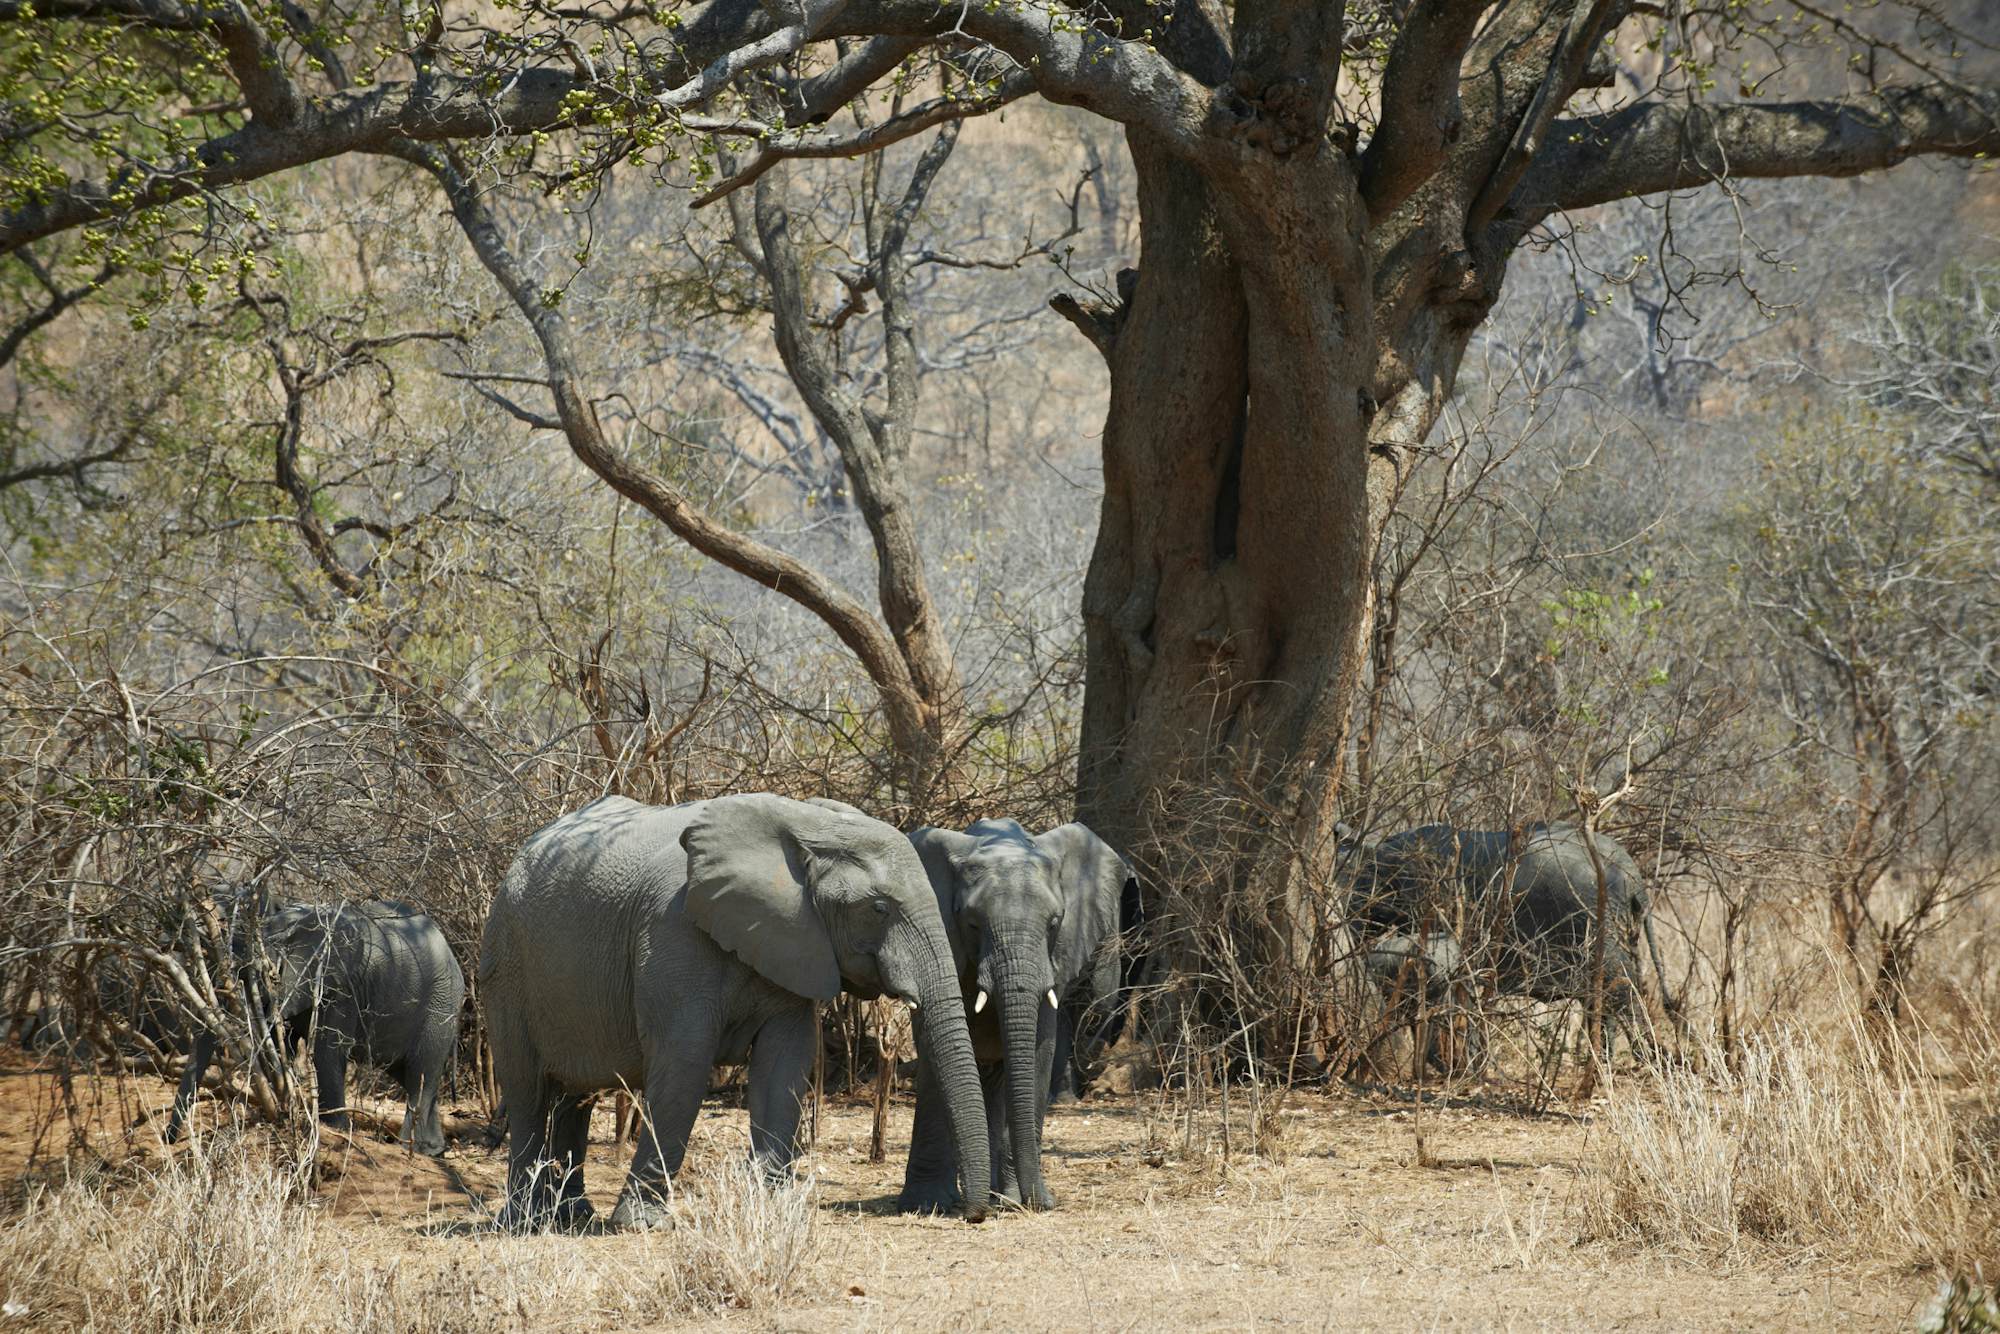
(569,1140)
(781,1060)
(1062,1072)
(423,1080)
(190,1085)
(527,1097)
(930,1180)
(1045,1046)
(674,1090)
(330,1050)
(1622,1005)
(999,1133)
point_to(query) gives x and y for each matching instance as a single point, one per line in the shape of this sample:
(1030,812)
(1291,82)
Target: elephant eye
(881,907)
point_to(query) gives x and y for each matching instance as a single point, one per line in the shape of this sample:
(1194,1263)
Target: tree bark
(1223,599)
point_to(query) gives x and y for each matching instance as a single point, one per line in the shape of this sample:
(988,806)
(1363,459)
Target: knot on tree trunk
(1278,118)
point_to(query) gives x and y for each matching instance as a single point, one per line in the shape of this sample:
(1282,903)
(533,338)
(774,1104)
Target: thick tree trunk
(1228,582)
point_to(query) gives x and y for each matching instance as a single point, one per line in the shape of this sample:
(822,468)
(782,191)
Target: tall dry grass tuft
(225,1237)
(735,1242)
(743,1242)
(1818,1142)
(190,1244)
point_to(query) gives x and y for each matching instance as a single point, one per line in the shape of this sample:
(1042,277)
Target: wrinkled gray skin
(640,946)
(1405,964)
(1033,922)
(1542,931)
(374,982)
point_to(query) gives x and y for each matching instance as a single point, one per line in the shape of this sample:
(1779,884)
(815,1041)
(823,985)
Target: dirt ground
(1341,1228)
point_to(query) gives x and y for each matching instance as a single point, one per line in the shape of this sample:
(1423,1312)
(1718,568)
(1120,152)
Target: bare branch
(59,301)
(870,138)
(1654,146)
(861,632)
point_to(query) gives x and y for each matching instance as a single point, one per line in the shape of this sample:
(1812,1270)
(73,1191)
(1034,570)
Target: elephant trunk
(1025,981)
(945,1045)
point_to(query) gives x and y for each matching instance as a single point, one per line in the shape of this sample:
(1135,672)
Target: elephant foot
(636,1213)
(1037,1197)
(573,1214)
(929,1197)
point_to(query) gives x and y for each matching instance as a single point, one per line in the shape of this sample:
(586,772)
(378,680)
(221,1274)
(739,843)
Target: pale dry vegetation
(230,1235)
(1807,1142)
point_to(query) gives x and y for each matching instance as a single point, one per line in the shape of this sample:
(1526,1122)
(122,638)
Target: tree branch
(1567,63)
(59,301)
(870,138)
(864,636)
(1421,115)
(1656,146)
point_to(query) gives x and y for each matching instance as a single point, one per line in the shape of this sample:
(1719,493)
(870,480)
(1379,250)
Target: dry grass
(227,1236)
(187,1245)
(1815,1143)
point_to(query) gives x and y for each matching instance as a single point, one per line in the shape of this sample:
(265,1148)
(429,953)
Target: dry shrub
(225,1237)
(189,1244)
(736,1243)
(1812,1142)
(737,1240)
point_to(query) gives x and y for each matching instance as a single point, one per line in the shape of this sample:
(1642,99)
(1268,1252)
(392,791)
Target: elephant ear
(939,850)
(748,888)
(1094,880)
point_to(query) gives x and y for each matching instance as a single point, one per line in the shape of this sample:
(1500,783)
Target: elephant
(374,981)
(1429,965)
(1540,919)
(1089,1022)
(1032,919)
(640,946)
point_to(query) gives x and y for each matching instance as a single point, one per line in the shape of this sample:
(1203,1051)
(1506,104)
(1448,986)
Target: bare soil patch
(1340,1227)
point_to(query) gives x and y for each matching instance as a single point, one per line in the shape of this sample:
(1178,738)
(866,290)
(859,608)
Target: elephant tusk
(1053,1003)
(913,1007)
(980,1003)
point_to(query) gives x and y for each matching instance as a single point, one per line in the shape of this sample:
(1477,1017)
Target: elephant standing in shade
(375,982)
(640,946)
(1539,919)
(1033,920)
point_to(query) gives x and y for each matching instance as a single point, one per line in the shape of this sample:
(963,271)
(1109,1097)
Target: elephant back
(563,925)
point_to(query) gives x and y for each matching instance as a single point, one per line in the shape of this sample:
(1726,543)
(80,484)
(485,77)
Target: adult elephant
(1032,919)
(1531,898)
(375,982)
(639,946)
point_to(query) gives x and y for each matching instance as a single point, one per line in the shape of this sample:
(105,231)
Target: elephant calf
(375,982)
(1534,896)
(1033,920)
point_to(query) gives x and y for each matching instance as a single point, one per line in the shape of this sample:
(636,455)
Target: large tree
(1329,192)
